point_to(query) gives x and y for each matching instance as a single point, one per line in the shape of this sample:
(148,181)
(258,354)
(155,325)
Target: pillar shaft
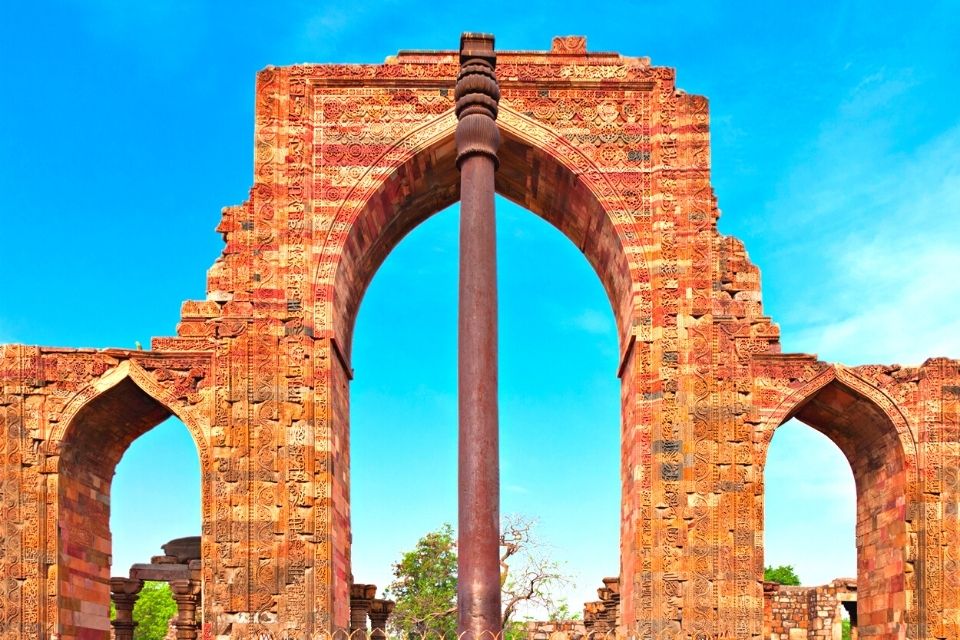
(380,611)
(124,592)
(186,593)
(478,591)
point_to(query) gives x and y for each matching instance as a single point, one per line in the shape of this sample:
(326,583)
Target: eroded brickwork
(807,613)
(348,159)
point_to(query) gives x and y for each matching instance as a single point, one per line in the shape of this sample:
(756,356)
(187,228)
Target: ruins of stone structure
(809,613)
(603,615)
(179,566)
(369,614)
(789,613)
(348,159)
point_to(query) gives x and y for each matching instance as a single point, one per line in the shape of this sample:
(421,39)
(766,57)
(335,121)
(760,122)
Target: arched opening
(810,526)
(530,175)
(154,496)
(873,445)
(537,174)
(559,404)
(92,445)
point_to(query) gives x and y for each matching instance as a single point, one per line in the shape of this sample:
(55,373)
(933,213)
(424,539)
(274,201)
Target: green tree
(562,612)
(846,629)
(425,581)
(153,611)
(784,574)
(425,587)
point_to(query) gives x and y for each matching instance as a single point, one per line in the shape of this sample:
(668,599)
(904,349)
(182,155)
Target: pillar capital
(125,588)
(380,611)
(186,593)
(478,97)
(124,592)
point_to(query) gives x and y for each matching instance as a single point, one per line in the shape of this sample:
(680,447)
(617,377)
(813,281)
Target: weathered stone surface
(348,159)
(810,613)
(183,550)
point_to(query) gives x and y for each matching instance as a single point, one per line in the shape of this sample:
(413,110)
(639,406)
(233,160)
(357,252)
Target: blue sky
(836,158)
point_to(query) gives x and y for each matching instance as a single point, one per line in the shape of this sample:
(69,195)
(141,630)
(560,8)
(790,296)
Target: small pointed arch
(837,388)
(131,377)
(97,427)
(875,437)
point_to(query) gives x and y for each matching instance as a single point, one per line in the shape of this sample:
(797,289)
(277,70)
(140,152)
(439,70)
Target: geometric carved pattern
(350,158)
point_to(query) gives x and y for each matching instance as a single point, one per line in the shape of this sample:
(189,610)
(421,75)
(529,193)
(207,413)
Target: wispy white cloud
(877,282)
(909,305)
(864,256)
(593,322)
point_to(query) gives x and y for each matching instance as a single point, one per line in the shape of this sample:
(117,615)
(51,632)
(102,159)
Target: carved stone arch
(409,181)
(876,438)
(95,429)
(848,378)
(428,153)
(130,369)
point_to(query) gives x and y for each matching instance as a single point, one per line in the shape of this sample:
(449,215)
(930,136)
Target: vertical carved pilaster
(124,592)
(186,593)
(477,137)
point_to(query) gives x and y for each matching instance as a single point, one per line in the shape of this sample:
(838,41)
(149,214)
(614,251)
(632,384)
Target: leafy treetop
(784,574)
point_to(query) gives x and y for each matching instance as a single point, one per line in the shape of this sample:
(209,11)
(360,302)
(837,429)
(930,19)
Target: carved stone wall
(348,159)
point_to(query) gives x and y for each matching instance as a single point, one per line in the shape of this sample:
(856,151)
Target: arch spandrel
(164,395)
(785,395)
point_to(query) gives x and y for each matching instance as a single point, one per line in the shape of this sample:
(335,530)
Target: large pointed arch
(417,177)
(413,179)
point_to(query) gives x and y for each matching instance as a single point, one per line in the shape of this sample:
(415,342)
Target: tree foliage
(784,574)
(425,581)
(425,587)
(153,611)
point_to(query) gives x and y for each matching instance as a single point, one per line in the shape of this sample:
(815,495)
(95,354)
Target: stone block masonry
(809,613)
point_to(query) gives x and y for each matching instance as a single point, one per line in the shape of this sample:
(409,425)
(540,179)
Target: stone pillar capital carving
(478,95)
(186,593)
(124,592)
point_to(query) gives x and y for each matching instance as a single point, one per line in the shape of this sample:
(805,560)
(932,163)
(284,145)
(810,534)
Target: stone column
(380,611)
(124,592)
(186,593)
(477,138)
(361,597)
